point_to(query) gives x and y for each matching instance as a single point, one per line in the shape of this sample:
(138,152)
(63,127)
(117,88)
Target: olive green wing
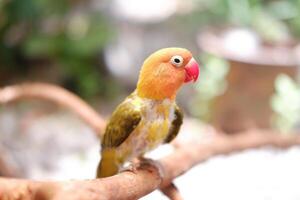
(123,121)
(175,126)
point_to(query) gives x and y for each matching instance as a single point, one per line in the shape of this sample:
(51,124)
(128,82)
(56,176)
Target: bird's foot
(143,163)
(146,162)
(132,167)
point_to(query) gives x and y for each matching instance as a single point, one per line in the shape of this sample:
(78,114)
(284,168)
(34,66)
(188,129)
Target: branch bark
(172,192)
(128,185)
(57,95)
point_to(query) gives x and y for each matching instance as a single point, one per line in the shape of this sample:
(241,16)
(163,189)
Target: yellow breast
(157,117)
(158,129)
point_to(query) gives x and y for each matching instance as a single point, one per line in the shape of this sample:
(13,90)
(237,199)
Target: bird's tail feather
(108,165)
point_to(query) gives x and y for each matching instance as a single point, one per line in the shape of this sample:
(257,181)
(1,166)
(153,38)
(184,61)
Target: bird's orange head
(165,71)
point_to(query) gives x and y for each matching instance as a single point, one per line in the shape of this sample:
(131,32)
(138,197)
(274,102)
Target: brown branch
(172,192)
(56,95)
(128,185)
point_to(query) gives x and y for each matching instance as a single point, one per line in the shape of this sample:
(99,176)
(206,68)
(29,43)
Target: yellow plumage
(153,128)
(151,131)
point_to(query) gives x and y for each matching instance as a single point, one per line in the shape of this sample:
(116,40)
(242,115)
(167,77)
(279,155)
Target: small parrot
(149,116)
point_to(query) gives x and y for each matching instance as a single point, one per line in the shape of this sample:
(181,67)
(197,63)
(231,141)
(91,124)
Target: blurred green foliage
(66,34)
(274,20)
(285,103)
(211,84)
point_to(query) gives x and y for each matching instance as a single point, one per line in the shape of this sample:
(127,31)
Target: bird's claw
(150,162)
(132,167)
(142,163)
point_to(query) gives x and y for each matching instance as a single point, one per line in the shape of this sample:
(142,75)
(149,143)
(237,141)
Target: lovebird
(149,116)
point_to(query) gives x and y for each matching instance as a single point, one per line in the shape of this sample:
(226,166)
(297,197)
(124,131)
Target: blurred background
(250,55)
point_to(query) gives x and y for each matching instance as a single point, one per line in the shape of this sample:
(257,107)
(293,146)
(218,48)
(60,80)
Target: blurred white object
(244,45)
(253,174)
(242,42)
(115,54)
(144,10)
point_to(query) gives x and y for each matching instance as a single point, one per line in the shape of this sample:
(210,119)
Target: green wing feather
(175,126)
(122,123)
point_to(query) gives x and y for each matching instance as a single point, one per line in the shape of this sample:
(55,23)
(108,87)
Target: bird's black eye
(177,61)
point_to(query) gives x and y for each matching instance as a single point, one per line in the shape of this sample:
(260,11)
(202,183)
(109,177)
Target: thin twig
(128,185)
(56,95)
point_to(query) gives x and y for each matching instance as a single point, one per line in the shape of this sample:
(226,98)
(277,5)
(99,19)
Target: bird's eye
(177,61)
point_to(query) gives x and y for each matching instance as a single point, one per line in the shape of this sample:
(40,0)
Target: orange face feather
(163,73)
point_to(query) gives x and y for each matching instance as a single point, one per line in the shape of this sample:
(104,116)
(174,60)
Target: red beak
(191,71)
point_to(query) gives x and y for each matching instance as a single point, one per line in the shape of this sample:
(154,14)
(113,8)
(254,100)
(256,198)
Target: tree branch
(128,185)
(172,192)
(54,94)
